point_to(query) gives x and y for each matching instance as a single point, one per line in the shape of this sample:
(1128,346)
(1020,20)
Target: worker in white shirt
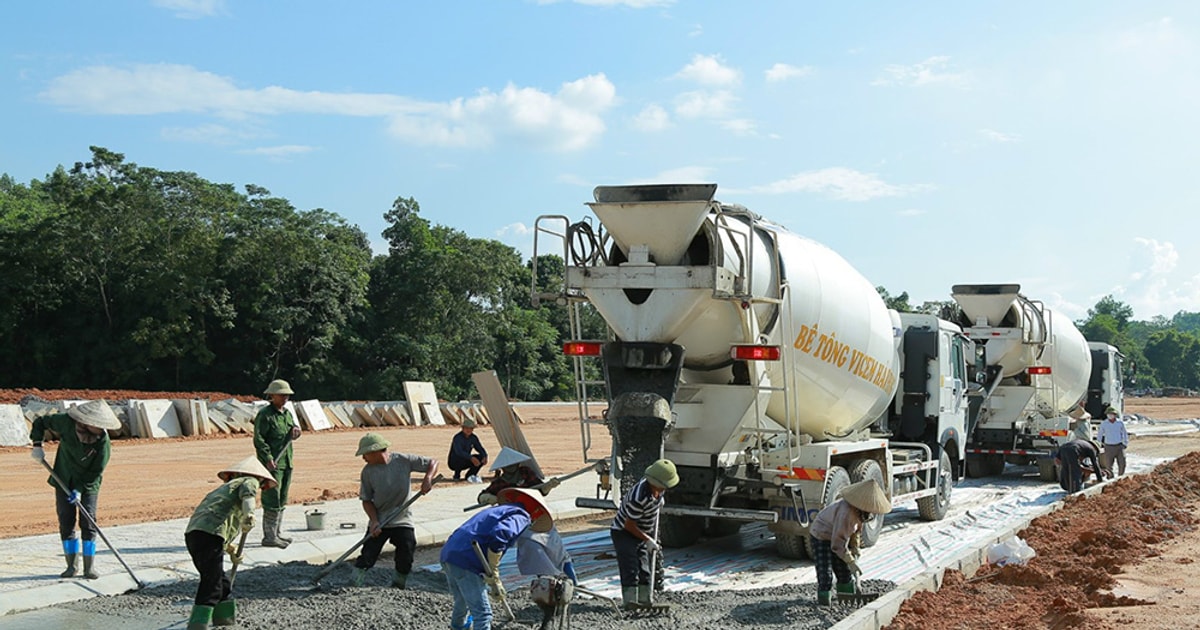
(1115,438)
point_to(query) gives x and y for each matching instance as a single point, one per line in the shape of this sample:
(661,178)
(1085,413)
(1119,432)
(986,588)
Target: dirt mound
(15,396)
(1079,550)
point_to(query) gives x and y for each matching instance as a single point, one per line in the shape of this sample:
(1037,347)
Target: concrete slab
(312,413)
(14,429)
(423,402)
(159,417)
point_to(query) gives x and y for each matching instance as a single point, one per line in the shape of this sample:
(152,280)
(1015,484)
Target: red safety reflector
(582,348)
(1039,369)
(755,353)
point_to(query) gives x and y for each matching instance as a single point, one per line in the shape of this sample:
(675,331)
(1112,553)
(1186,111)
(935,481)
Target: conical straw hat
(95,413)
(867,496)
(533,503)
(508,457)
(249,466)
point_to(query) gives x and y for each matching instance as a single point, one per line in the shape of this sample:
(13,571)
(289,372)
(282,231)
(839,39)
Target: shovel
(86,515)
(501,594)
(388,516)
(235,560)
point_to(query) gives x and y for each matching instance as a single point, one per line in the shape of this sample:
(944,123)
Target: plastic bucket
(315,519)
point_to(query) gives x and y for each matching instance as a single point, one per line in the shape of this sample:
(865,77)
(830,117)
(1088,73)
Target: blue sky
(1047,143)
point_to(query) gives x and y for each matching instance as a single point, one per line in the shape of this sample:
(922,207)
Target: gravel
(282,596)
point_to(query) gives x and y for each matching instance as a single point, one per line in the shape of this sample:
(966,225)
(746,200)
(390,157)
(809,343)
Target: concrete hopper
(663,218)
(986,304)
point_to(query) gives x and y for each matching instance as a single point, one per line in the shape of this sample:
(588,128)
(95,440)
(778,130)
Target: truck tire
(836,478)
(718,527)
(679,531)
(792,546)
(1047,471)
(862,470)
(989,465)
(934,508)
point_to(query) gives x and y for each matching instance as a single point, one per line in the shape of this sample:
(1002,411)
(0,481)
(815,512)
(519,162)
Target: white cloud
(711,71)
(838,183)
(740,126)
(568,120)
(717,104)
(652,118)
(514,229)
(192,9)
(928,72)
(697,31)
(783,72)
(280,152)
(999,136)
(1157,284)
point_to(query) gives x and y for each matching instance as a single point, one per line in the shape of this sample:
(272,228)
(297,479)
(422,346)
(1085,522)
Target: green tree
(897,302)
(1175,357)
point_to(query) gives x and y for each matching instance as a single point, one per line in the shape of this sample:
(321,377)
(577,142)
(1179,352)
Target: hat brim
(100,416)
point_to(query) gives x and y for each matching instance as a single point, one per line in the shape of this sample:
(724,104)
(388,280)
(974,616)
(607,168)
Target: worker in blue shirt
(489,533)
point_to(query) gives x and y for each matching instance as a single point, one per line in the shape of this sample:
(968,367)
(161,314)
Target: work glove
(486,498)
(295,434)
(247,523)
(652,545)
(851,561)
(234,556)
(495,588)
(493,558)
(37,454)
(73,497)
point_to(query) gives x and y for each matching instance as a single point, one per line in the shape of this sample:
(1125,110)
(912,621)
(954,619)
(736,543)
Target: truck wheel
(934,508)
(984,465)
(792,546)
(718,527)
(836,478)
(679,531)
(862,470)
(1047,471)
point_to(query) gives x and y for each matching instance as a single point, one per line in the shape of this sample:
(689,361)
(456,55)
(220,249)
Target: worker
(1114,437)
(223,515)
(544,557)
(466,453)
(83,452)
(836,535)
(1081,421)
(274,431)
(511,471)
(1072,458)
(384,486)
(490,533)
(634,531)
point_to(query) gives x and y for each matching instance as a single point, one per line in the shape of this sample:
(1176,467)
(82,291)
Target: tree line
(115,275)
(1159,353)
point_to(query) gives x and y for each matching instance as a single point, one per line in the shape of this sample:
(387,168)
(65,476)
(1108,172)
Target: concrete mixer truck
(759,361)
(1033,367)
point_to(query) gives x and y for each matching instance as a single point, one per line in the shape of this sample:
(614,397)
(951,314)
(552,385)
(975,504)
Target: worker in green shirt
(221,517)
(274,431)
(83,452)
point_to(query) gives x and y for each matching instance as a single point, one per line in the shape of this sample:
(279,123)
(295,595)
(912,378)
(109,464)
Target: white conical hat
(95,413)
(508,457)
(867,496)
(539,514)
(249,466)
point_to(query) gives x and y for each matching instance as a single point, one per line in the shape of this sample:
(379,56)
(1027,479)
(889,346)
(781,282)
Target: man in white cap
(491,532)
(466,453)
(634,530)
(1115,438)
(511,471)
(223,515)
(274,431)
(83,452)
(384,485)
(836,533)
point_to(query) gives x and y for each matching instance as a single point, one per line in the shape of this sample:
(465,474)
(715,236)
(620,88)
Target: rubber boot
(629,597)
(399,580)
(89,555)
(643,594)
(201,618)
(270,531)
(824,598)
(71,551)
(225,613)
(848,588)
(358,577)
(279,528)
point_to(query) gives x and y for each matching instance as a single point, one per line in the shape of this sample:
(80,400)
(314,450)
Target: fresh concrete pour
(282,596)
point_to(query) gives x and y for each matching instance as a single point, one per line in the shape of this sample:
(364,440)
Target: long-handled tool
(494,578)
(594,594)
(88,516)
(237,558)
(387,516)
(555,480)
